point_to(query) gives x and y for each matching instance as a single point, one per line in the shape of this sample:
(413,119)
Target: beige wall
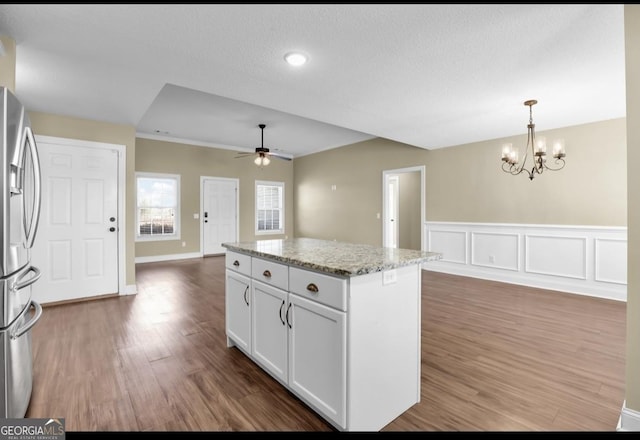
(83,129)
(409,217)
(465,183)
(349,213)
(191,162)
(632,50)
(8,64)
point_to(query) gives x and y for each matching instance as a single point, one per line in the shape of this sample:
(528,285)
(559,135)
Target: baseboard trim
(80,299)
(130,289)
(629,419)
(155,258)
(604,292)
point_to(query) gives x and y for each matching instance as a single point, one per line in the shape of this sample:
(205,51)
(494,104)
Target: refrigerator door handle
(26,327)
(30,281)
(35,217)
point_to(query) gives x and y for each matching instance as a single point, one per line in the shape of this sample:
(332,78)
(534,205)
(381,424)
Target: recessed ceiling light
(295,58)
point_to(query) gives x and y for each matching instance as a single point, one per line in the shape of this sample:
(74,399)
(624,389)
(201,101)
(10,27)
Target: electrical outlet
(492,259)
(389,276)
(184,243)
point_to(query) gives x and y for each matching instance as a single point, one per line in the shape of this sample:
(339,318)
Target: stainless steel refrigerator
(20,212)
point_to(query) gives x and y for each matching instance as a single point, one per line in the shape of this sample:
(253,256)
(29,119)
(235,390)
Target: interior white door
(219,214)
(77,244)
(391,214)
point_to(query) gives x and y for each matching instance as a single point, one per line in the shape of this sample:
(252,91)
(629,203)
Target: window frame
(282,212)
(176,230)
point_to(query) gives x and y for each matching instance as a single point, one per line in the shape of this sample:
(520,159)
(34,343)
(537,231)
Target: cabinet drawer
(328,290)
(239,262)
(275,274)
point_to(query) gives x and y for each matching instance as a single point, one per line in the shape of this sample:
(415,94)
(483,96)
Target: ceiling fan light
(266,160)
(295,58)
(258,160)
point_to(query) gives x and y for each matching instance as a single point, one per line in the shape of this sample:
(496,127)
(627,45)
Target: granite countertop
(332,257)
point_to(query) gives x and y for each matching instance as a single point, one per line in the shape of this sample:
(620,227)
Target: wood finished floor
(495,357)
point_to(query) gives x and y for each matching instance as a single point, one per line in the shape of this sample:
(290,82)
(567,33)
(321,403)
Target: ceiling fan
(263,155)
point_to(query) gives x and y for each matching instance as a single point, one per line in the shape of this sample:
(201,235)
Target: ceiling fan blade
(280,156)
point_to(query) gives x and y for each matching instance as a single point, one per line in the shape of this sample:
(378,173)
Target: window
(157,206)
(269,207)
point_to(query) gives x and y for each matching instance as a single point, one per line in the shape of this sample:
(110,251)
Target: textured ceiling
(427,75)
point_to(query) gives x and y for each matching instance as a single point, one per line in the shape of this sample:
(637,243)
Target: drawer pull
(236,263)
(312,288)
(245,295)
(266,274)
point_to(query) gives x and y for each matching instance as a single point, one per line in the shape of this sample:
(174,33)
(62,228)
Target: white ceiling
(427,75)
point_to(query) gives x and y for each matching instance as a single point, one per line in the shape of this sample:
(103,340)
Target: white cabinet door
(269,342)
(238,311)
(318,357)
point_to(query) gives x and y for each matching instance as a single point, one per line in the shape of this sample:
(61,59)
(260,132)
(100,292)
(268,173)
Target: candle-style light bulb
(541,145)
(558,148)
(506,150)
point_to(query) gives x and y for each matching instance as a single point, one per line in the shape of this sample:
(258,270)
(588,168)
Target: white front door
(77,242)
(219,214)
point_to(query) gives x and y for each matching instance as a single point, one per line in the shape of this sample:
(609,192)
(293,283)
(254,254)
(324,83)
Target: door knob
(112,219)
(112,229)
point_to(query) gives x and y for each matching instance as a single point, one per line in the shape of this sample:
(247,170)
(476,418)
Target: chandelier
(511,163)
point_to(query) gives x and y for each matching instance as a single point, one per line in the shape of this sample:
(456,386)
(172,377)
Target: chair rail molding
(585,260)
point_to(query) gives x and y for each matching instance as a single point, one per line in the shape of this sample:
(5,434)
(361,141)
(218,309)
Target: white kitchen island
(337,324)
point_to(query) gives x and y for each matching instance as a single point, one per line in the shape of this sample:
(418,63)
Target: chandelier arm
(514,170)
(558,161)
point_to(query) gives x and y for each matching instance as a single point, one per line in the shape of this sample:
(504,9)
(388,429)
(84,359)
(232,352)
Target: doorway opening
(403,207)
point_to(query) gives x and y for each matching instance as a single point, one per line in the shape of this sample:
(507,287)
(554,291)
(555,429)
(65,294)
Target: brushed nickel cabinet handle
(312,288)
(245,295)
(266,274)
(281,307)
(236,263)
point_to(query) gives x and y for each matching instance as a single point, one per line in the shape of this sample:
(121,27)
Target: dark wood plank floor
(495,357)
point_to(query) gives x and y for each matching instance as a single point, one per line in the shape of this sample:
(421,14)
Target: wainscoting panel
(556,255)
(496,250)
(586,260)
(611,260)
(452,243)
